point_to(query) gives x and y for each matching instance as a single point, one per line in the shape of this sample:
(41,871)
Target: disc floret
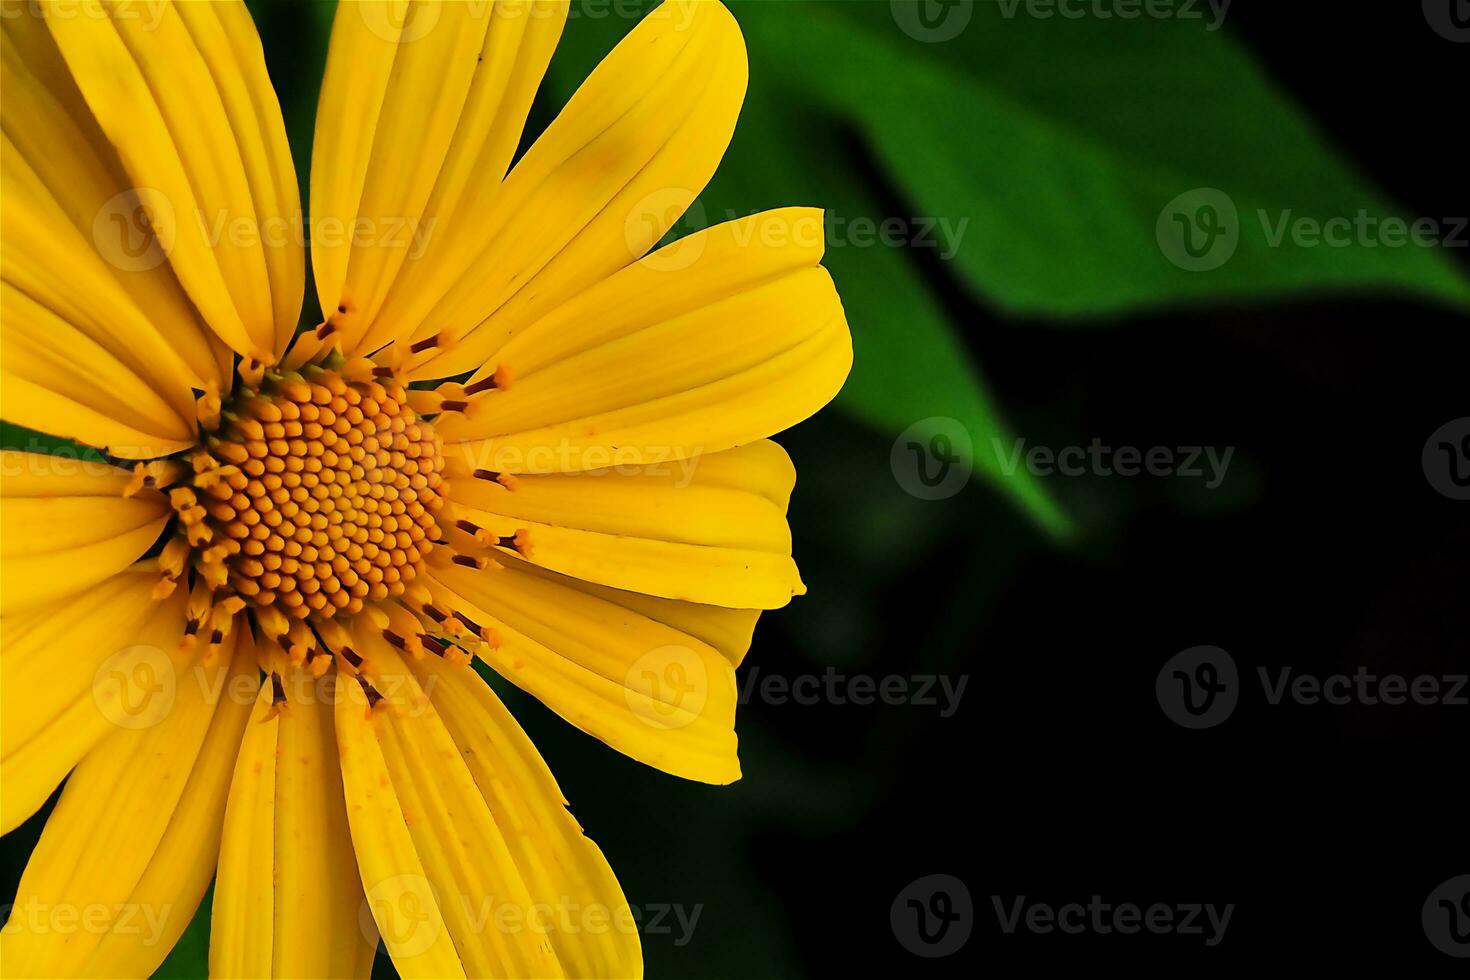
(316,494)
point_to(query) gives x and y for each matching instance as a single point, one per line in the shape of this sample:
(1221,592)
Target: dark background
(1059,777)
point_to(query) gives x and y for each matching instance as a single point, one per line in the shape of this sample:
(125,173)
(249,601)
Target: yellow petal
(592,928)
(74,671)
(403,904)
(48,259)
(649,690)
(46,120)
(663,529)
(727,630)
(634,146)
(465,859)
(193,121)
(129,851)
(65,526)
(62,382)
(422,107)
(722,338)
(288,900)
(225,38)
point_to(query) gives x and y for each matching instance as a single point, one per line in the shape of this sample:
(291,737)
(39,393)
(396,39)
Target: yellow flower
(516,436)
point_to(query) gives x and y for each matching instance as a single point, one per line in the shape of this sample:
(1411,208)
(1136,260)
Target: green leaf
(909,363)
(1064,143)
(20,438)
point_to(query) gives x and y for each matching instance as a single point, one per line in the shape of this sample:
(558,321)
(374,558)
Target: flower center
(316,495)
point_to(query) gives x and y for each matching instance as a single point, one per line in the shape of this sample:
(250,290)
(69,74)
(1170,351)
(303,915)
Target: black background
(1060,778)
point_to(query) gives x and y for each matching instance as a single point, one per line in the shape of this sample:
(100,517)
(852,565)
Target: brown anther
(520,542)
(370,692)
(500,381)
(442,339)
(506,480)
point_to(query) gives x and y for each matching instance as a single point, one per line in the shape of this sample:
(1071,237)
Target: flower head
(242,630)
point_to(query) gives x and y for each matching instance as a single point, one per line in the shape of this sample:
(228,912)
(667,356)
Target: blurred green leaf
(18,437)
(1063,140)
(909,363)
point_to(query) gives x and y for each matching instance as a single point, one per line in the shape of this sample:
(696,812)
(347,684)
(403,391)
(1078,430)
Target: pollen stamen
(316,496)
